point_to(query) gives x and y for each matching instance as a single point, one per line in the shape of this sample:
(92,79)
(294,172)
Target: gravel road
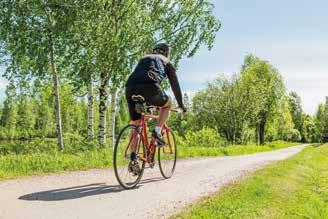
(95,193)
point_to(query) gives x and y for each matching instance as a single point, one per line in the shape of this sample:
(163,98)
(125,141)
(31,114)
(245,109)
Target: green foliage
(294,188)
(265,88)
(206,137)
(294,135)
(253,107)
(219,107)
(122,117)
(248,101)
(9,115)
(26,118)
(308,129)
(321,122)
(30,114)
(92,40)
(74,111)
(296,110)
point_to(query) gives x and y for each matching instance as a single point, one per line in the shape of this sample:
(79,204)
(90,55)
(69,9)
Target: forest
(67,63)
(245,148)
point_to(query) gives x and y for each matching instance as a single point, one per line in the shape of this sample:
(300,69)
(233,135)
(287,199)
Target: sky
(292,35)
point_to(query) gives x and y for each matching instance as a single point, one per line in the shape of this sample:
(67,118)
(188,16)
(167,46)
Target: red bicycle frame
(142,130)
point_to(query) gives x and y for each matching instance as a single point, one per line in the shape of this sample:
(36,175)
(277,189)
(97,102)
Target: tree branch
(157,41)
(126,11)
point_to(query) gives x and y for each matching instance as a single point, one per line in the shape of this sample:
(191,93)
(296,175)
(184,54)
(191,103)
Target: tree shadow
(316,145)
(80,191)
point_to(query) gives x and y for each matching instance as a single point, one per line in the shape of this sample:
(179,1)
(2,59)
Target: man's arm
(173,79)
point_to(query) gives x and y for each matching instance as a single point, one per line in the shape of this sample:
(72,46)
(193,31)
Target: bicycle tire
(162,161)
(116,163)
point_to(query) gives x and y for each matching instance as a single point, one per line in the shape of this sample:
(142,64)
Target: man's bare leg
(164,114)
(162,118)
(134,140)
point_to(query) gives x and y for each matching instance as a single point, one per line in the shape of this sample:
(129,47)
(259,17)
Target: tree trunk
(257,135)
(103,97)
(261,132)
(112,115)
(57,99)
(90,111)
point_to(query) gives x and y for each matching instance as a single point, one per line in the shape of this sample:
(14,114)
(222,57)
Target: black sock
(133,155)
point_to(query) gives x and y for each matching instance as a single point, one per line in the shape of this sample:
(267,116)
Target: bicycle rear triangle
(137,139)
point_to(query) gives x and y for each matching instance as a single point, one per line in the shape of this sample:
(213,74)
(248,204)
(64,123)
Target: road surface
(95,193)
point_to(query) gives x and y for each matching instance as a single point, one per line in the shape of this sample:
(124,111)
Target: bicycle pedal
(151,165)
(161,145)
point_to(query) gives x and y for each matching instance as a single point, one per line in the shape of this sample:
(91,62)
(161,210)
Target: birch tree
(186,25)
(34,34)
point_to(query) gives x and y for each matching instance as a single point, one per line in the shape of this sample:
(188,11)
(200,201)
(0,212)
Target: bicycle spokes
(167,156)
(134,139)
(129,140)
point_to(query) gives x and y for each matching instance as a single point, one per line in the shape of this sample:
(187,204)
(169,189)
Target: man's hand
(183,110)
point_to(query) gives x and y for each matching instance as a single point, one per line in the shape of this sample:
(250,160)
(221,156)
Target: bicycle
(145,148)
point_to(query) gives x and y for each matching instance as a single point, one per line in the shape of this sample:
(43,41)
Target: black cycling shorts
(153,94)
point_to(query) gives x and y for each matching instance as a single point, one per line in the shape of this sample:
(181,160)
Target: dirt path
(95,193)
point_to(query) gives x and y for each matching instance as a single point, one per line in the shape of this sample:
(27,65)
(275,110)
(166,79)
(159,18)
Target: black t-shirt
(153,68)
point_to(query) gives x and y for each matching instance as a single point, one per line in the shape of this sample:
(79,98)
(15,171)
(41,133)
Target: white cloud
(3,84)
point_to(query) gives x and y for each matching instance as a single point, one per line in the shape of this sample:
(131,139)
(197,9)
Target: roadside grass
(293,188)
(185,152)
(14,165)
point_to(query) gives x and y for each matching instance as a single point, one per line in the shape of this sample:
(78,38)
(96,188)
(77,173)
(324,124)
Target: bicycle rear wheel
(121,159)
(167,155)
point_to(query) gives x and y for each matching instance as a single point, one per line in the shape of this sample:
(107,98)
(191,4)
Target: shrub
(74,144)
(206,137)
(293,135)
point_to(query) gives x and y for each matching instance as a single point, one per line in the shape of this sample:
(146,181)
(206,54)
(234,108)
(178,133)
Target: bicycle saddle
(141,105)
(138,98)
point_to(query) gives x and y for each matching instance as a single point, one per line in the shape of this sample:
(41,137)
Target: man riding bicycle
(146,81)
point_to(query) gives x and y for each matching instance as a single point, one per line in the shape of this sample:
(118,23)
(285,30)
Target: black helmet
(162,48)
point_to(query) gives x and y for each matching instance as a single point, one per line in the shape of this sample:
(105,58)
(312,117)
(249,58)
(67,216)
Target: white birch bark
(103,97)
(57,99)
(112,115)
(90,111)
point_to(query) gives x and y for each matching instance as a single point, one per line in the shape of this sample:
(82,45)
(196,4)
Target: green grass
(293,188)
(12,166)
(38,163)
(185,152)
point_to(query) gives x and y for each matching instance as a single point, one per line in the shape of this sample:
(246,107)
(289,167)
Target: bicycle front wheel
(167,155)
(128,138)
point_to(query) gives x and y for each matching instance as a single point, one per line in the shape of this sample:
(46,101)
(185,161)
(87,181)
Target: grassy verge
(38,163)
(185,152)
(294,188)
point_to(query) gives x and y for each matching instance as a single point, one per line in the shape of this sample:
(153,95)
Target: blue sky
(292,35)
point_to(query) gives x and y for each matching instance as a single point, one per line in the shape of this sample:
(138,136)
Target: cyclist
(146,81)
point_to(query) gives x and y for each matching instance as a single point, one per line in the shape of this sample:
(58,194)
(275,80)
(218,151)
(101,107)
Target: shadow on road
(72,192)
(150,180)
(79,191)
